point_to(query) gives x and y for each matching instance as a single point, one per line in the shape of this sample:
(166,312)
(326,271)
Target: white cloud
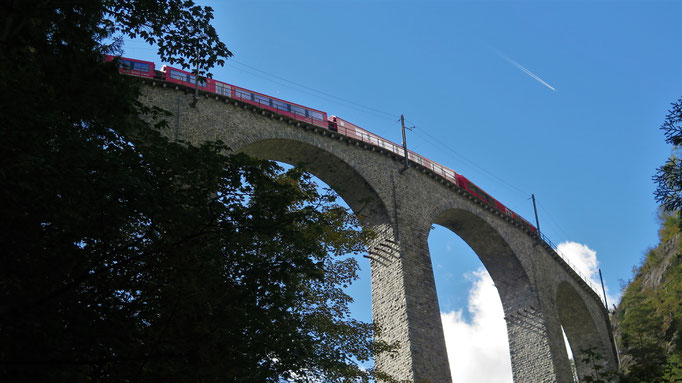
(585,261)
(581,256)
(478,349)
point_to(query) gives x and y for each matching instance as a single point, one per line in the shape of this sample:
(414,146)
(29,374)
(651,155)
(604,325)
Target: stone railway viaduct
(540,293)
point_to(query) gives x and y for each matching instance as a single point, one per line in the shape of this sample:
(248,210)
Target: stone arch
(530,349)
(579,326)
(388,290)
(334,171)
(492,249)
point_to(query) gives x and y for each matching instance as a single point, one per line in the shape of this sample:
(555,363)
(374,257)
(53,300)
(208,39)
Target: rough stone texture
(539,292)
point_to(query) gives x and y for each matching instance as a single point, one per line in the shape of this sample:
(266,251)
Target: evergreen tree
(669,176)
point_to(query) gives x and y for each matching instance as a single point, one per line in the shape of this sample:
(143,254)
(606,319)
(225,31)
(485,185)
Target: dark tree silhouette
(126,257)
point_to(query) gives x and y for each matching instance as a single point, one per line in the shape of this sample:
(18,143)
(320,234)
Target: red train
(315,117)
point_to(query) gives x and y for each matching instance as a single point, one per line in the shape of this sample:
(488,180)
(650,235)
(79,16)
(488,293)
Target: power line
(315,90)
(324,96)
(438,142)
(554,222)
(333,97)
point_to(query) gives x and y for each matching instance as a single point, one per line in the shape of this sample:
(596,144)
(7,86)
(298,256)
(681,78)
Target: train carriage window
(449,174)
(242,94)
(223,89)
(192,79)
(126,64)
(142,67)
(280,105)
(315,115)
(261,100)
(298,110)
(134,65)
(185,77)
(177,75)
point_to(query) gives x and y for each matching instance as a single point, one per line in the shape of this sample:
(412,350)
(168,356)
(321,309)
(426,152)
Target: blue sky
(579,127)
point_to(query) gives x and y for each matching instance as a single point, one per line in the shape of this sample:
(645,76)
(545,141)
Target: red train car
(485,197)
(285,108)
(133,67)
(474,190)
(182,77)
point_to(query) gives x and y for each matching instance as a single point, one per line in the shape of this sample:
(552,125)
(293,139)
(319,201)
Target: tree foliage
(650,315)
(595,361)
(669,176)
(127,257)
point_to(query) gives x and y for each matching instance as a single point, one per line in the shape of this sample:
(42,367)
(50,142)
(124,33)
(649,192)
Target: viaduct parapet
(540,293)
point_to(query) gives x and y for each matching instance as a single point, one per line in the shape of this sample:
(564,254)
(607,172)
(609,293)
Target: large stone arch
(388,291)
(509,267)
(492,249)
(388,309)
(580,328)
(334,171)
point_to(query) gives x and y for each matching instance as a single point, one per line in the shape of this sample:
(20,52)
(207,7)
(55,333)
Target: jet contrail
(526,71)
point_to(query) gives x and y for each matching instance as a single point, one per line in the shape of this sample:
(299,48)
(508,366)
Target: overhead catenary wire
(552,220)
(433,140)
(438,142)
(332,99)
(316,90)
(297,86)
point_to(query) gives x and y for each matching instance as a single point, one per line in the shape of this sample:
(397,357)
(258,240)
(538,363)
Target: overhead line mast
(537,221)
(407,159)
